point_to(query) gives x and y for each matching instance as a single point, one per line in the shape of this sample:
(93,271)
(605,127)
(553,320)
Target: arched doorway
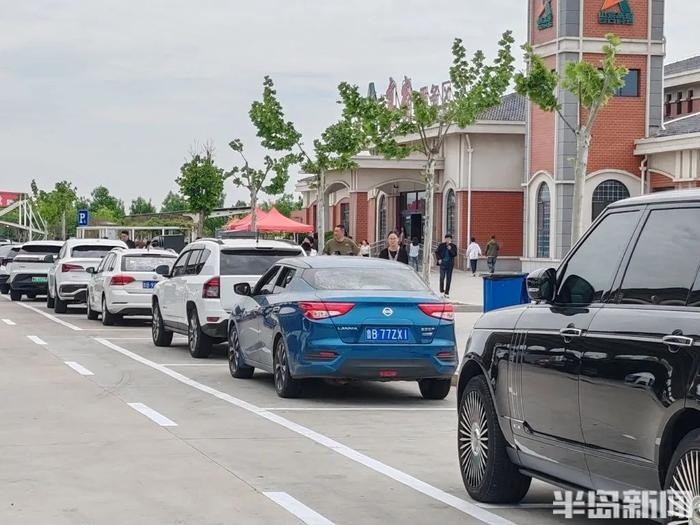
(606,193)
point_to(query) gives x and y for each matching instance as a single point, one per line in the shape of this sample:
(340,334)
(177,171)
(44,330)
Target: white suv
(198,295)
(28,270)
(7,253)
(123,283)
(68,277)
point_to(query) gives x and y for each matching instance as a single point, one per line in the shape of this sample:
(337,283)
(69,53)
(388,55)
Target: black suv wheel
(683,478)
(15,295)
(198,342)
(487,472)
(4,289)
(435,388)
(236,365)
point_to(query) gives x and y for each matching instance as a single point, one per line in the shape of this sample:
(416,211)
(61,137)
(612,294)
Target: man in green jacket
(492,249)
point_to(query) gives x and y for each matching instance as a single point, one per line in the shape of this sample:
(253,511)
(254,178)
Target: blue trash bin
(504,289)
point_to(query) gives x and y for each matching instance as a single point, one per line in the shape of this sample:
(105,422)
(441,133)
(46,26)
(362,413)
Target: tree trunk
(583,146)
(63,225)
(321,210)
(428,223)
(253,211)
(200,223)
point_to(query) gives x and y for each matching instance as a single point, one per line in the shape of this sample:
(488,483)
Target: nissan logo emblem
(388,311)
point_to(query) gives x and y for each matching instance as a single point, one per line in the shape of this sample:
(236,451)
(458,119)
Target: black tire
(15,295)
(31,296)
(198,342)
(683,476)
(49,300)
(236,363)
(285,385)
(161,336)
(435,388)
(59,306)
(108,318)
(487,472)
(92,315)
(4,289)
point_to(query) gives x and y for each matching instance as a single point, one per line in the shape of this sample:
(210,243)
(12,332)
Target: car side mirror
(91,270)
(49,258)
(163,270)
(542,285)
(242,289)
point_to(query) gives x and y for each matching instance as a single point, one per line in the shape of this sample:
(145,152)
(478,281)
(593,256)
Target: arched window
(544,211)
(382,218)
(450,207)
(606,193)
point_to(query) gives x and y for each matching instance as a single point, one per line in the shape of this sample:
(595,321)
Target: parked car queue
(277,310)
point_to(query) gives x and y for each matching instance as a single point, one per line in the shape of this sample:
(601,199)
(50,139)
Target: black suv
(596,383)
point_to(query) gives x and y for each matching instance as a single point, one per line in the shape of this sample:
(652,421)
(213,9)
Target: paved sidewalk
(466,291)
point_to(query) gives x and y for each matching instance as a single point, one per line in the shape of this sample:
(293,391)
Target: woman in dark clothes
(394,251)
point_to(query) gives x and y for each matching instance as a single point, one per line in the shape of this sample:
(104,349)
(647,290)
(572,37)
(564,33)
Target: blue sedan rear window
(401,280)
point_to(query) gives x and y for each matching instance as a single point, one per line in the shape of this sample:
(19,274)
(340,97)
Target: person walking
(473,254)
(340,244)
(414,253)
(394,251)
(446,254)
(492,250)
(365,249)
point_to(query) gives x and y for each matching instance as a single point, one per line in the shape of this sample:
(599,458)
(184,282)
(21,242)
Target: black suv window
(587,276)
(192,262)
(665,259)
(179,267)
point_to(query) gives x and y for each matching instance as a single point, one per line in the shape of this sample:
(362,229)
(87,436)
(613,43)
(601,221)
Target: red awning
(272,221)
(244,223)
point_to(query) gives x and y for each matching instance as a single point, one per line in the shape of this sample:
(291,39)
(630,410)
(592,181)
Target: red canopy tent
(272,221)
(244,223)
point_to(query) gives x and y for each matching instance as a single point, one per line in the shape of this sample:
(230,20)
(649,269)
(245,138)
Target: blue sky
(116,92)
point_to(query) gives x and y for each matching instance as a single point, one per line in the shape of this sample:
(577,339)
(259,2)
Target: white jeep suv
(28,270)
(123,283)
(68,278)
(197,297)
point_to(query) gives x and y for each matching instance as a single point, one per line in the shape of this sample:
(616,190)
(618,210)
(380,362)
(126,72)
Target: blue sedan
(343,318)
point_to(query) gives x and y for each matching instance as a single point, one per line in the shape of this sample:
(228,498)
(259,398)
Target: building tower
(570,30)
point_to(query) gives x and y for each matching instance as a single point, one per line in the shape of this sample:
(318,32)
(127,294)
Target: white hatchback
(124,282)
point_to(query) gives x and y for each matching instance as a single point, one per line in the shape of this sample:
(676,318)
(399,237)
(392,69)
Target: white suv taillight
(65,267)
(212,288)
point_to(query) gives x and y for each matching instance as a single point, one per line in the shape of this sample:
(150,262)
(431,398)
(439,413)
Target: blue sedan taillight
(317,311)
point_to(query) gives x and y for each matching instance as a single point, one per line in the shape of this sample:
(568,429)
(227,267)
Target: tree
(476,87)
(173,202)
(334,150)
(100,198)
(593,85)
(57,207)
(240,204)
(285,204)
(140,205)
(201,181)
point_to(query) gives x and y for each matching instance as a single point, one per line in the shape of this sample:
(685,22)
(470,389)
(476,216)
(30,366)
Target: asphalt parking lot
(100,426)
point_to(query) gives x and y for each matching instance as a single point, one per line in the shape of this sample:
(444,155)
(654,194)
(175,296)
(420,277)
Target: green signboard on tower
(616,12)
(546,18)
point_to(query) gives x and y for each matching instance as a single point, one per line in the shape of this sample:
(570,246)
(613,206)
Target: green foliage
(101,199)
(52,206)
(240,204)
(140,205)
(201,182)
(104,215)
(212,224)
(268,117)
(285,204)
(174,202)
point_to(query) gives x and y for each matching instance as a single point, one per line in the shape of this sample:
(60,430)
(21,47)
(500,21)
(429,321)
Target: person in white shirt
(365,249)
(473,254)
(413,253)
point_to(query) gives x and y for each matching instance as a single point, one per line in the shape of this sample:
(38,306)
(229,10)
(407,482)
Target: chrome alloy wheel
(473,439)
(155,326)
(193,332)
(685,490)
(280,366)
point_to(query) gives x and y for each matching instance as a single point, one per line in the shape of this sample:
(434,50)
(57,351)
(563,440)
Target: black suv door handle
(678,340)
(568,333)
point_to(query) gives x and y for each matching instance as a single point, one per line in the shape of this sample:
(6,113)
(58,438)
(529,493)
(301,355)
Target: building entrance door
(416,227)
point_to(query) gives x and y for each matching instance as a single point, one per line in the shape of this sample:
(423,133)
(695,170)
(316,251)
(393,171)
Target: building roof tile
(512,109)
(681,126)
(683,66)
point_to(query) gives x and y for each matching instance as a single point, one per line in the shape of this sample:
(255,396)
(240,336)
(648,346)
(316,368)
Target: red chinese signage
(7,198)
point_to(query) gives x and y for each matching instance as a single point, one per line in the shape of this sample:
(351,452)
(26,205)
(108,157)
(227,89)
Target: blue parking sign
(83,217)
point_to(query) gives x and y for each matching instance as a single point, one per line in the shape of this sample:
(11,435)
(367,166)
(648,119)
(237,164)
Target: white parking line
(360,409)
(298,509)
(416,484)
(52,317)
(9,322)
(151,414)
(35,339)
(79,368)
(223,363)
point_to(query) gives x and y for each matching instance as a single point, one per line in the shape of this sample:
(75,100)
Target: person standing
(124,236)
(308,248)
(473,254)
(394,251)
(365,249)
(446,254)
(340,244)
(414,253)
(492,250)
